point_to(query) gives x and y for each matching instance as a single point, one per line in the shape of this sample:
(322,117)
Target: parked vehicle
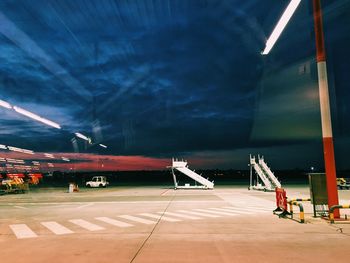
(97,181)
(343,183)
(13,185)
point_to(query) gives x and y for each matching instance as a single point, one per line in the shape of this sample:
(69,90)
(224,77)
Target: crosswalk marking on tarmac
(56,228)
(199,213)
(22,231)
(216,212)
(113,221)
(85,224)
(180,215)
(138,219)
(164,218)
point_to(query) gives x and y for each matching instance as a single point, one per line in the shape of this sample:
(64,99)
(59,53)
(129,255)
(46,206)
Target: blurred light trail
(29,114)
(3,147)
(102,145)
(281,25)
(49,155)
(16,149)
(82,136)
(5,104)
(10,160)
(36,117)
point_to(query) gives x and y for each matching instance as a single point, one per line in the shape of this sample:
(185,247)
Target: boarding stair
(269,180)
(273,179)
(182,167)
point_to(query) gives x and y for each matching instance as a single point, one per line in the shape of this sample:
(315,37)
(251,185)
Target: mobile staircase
(268,180)
(182,167)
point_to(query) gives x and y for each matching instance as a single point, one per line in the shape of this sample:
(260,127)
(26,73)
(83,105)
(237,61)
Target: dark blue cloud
(165,78)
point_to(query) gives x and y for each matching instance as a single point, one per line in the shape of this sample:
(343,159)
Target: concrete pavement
(155,224)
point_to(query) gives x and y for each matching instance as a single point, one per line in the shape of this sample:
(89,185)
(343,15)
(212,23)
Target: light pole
(327,136)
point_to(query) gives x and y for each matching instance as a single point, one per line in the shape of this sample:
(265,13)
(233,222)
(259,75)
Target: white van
(97,181)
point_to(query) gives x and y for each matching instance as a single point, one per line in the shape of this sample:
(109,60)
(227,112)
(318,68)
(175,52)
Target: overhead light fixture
(102,145)
(5,104)
(82,136)
(281,25)
(36,117)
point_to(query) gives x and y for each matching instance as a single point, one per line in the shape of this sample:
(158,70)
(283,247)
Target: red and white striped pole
(328,148)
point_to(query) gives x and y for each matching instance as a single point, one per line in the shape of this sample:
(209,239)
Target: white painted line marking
(22,231)
(260,208)
(216,212)
(249,208)
(164,218)
(20,207)
(83,206)
(180,215)
(255,209)
(198,213)
(236,211)
(113,222)
(117,202)
(138,219)
(56,228)
(85,224)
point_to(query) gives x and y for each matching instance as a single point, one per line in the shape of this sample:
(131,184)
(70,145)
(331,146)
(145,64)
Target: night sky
(156,79)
